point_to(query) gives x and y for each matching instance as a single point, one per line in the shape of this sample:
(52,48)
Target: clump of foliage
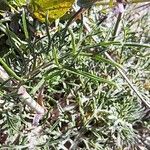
(89,103)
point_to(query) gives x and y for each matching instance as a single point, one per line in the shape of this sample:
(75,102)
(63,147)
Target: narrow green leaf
(73,41)
(102,59)
(57,73)
(55,56)
(25,25)
(88,75)
(117,43)
(9,70)
(38,86)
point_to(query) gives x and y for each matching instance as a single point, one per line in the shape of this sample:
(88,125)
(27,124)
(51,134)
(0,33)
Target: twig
(27,99)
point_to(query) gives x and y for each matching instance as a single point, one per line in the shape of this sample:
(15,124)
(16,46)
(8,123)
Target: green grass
(90,105)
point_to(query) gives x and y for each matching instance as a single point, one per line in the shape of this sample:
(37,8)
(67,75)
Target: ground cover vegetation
(91,77)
